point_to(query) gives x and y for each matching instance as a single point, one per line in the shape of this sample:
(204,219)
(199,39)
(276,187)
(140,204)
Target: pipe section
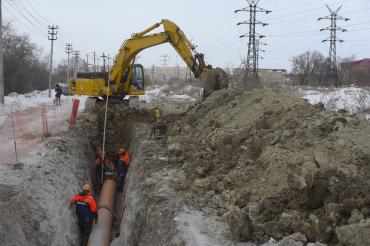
(100,235)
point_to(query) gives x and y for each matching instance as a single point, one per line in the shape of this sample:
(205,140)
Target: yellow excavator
(127,78)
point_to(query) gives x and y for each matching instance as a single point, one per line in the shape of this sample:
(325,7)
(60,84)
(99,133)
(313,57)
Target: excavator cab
(96,84)
(137,83)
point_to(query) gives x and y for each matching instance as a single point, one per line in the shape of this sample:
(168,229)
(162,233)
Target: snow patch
(351,99)
(156,92)
(17,101)
(201,230)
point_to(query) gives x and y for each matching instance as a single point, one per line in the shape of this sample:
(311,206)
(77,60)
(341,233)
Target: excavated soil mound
(273,165)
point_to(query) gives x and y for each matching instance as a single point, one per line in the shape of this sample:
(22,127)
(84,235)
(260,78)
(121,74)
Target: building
(268,76)
(356,72)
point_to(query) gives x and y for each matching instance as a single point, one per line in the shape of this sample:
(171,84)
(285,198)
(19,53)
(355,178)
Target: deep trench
(125,127)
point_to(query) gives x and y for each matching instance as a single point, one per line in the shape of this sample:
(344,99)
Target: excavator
(127,78)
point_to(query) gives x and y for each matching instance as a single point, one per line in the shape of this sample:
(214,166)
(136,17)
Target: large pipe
(100,235)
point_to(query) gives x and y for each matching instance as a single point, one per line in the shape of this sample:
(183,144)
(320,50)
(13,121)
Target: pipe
(100,235)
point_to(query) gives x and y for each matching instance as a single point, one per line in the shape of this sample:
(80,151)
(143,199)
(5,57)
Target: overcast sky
(102,26)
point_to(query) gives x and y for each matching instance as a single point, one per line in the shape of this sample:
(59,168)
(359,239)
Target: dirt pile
(272,165)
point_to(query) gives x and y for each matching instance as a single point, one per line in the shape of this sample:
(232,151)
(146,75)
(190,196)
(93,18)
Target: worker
(122,168)
(86,212)
(102,165)
(58,94)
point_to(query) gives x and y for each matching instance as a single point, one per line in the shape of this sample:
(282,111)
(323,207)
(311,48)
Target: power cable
(35,31)
(20,12)
(35,10)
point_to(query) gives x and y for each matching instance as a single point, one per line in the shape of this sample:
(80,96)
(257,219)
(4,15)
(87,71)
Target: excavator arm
(172,34)
(127,78)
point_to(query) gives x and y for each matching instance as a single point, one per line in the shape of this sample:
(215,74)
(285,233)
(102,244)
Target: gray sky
(102,26)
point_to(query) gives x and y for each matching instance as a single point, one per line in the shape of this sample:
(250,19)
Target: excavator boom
(126,77)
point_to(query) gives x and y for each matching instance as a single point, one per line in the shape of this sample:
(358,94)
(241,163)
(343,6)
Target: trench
(126,128)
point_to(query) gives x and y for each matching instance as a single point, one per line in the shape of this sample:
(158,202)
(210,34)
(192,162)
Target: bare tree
(309,68)
(25,69)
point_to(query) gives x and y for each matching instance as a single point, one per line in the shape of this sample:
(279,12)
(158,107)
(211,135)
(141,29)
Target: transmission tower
(104,61)
(164,62)
(253,36)
(53,31)
(76,57)
(259,43)
(69,52)
(332,73)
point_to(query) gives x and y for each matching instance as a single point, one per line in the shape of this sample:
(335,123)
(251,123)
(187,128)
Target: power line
(37,13)
(30,28)
(333,28)
(21,5)
(22,14)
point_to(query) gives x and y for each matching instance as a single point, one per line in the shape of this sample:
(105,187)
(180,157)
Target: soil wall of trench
(35,194)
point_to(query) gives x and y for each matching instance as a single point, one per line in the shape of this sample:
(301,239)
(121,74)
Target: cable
(19,11)
(42,17)
(37,32)
(26,10)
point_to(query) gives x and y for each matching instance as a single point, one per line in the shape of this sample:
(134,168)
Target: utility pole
(69,52)
(76,56)
(104,60)
(333,76)
(94,54)
(164,62)
(53,31)
(109,63)
(87,63)
(252,58)
(2,100)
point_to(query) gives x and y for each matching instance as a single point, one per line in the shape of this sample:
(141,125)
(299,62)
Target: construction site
(128,153)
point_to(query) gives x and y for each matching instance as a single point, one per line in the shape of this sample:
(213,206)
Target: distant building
(273,76)
(356,72)
(268,76)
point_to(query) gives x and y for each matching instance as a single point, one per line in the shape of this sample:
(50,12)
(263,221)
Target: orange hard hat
(86,187)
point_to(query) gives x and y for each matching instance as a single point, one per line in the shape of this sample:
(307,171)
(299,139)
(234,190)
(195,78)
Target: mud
(272,165)
(254,168)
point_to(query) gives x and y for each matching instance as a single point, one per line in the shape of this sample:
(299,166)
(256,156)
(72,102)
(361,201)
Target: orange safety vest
(126,158)
(85,204)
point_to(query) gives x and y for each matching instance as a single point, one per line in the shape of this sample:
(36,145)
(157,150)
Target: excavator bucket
(159,128)
(214,79)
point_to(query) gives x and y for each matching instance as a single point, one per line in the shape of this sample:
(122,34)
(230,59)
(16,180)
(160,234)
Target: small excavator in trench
(127,78)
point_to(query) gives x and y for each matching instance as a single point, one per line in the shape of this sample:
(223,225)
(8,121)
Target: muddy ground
(260,166)
(254,168)
(272,165)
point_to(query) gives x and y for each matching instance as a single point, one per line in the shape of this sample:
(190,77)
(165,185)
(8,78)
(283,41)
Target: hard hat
(86,187)
(121,151)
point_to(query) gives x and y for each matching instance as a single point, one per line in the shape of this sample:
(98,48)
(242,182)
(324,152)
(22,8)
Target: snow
(188,93)
(200,230)
(17,101)
(352,99)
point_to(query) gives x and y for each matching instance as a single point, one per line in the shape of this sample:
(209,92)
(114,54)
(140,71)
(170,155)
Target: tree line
(26,68)
(311,68)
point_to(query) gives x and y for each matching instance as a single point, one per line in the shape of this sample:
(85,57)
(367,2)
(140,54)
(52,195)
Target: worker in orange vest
(122,168)
(86,211)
